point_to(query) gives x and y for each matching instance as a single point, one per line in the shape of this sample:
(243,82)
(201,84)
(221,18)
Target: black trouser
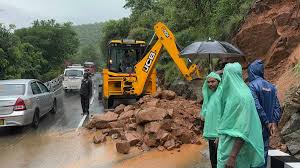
(213,148)
(85,103)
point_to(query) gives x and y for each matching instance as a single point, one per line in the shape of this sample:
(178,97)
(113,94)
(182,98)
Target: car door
(47,97)
(38,97)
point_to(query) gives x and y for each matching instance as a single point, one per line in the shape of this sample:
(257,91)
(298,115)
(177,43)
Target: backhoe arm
(145,67)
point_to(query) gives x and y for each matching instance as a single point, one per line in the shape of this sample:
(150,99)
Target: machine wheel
(110,102)
(107,103)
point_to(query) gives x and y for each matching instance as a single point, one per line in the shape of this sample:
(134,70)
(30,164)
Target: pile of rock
(290,121)
(164,121)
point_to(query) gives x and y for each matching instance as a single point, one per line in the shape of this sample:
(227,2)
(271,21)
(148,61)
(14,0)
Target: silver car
(24,102)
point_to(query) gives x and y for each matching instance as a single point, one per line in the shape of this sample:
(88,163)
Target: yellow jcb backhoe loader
(131,74)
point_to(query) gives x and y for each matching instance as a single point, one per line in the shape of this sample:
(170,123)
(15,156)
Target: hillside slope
(271,32)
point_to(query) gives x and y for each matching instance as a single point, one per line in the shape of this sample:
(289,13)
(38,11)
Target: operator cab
(123,55)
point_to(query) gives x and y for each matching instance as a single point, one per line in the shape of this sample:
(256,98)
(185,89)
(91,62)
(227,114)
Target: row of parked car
(24,102)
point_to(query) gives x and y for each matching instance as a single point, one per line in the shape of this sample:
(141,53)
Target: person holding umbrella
(209,114)
(239,130)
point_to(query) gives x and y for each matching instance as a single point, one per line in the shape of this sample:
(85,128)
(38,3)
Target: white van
(72,78)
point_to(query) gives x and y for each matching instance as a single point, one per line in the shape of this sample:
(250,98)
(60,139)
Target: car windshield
(74,73)
(12,89)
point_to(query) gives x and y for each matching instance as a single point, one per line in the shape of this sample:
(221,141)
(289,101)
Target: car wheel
(36,119)
(54,108)
(66,90)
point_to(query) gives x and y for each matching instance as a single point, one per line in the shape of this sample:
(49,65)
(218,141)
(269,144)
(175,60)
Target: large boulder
(151,140)
(126,114)
(168,94)
(150,114)
(133,138)
(101,121)
(119,109)
(123,147)
(293,140)
(152,127)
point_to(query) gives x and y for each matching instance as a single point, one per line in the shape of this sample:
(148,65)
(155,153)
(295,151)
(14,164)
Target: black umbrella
(211,49)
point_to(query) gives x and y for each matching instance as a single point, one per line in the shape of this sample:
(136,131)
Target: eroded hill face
(271,32)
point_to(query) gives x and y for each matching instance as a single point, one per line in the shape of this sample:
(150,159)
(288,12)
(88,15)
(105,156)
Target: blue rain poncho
(238,119)
(211,108)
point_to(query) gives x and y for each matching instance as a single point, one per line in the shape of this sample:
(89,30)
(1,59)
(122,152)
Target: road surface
(59,143)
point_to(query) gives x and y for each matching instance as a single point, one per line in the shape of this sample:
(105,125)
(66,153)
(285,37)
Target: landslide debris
(164,121)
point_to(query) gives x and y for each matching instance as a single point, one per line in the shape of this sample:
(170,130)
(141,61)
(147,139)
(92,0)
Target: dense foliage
(190,20)
(89,50)
(36,52)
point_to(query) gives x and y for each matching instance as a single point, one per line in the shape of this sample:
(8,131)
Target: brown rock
(284,148)
(99,138)
(123,147)
(165,137)
(140,129)
(150,114)
(145,147)
(108,117)
(117,124)
(101,125)
(118,131)
(133,138)
(161,148)
(170,144)
(151,140)
(158,93)
(170,112)
(168,94)
(126,114)
(167,124)
(153,103)
(185,138)
(128,108)
(119,109)
(132,127)
(101,121)
(152,127)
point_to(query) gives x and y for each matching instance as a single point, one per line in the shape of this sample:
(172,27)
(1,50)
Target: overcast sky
(23,12)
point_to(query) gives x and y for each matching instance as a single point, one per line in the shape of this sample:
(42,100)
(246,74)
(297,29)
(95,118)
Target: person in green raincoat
(209,113)
(240,137)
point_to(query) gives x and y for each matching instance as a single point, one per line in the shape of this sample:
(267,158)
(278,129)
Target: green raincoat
(211,108)
(238,118)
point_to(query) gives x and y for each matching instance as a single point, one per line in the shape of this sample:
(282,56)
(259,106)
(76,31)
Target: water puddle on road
(76,150)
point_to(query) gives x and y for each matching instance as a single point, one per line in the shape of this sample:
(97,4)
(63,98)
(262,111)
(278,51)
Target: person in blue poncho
(266,102)
(210,109)
(239,129)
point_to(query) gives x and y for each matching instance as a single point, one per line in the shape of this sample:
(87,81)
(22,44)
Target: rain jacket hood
(211,108)
(256,70)
(239,118)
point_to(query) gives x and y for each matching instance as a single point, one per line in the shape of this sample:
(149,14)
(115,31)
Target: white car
(72,78)
(24,101)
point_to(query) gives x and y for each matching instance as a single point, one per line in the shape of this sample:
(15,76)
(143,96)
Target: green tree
(55,41)
(18,60)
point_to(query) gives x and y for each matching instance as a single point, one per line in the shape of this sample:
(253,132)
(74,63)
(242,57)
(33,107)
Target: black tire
(107,103)
(36,119)
(54,108)
(110,102)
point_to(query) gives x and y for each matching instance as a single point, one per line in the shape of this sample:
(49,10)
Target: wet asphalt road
(56,143)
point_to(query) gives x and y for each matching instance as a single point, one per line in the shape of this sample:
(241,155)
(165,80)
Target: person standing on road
(209,114)
(239,130)
(266,102)
(85,93)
